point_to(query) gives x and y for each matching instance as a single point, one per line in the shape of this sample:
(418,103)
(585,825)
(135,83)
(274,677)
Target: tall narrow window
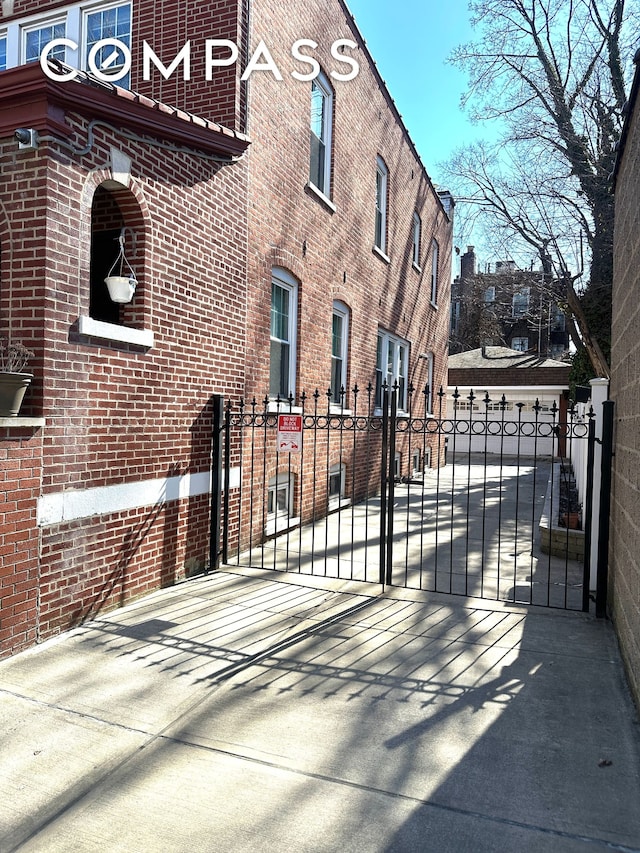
(434,272)
(490,295)
(3,52)
(429,386)
(112,22)
(520,302)
(382,187)
(284,303)
(339,350)
(392,365)
(321,117)
(417,235)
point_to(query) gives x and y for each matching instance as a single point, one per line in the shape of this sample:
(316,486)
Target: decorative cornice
(28,98)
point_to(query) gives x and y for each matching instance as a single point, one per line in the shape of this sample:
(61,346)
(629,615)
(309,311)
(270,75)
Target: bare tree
(554,72)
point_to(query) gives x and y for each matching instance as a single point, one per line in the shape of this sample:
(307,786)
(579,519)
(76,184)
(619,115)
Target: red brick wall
(20,473)
(222,99)
(330,252)
(119,413)
(624,553)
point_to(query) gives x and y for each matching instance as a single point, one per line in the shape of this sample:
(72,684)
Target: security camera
(27,137)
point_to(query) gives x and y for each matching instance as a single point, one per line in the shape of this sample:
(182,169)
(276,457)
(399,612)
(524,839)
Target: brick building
(624,558)
(508,307)
(284,235)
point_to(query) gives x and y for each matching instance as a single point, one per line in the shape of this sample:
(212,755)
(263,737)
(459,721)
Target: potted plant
(14,357)
(120,281)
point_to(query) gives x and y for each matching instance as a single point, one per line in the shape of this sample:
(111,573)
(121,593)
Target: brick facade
(123,502)
(624,558)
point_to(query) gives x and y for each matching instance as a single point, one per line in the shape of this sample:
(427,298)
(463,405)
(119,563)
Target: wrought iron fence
(384,489)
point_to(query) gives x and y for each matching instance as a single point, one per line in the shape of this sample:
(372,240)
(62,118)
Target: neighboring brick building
(624,553)
(319,259)
(507,306)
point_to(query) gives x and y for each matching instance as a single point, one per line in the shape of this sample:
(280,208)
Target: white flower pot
(12,390)
(121,287)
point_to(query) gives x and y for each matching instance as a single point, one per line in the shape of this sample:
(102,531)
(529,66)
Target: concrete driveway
(253,711)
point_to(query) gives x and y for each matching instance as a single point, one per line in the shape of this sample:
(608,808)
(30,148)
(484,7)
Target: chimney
(468,263)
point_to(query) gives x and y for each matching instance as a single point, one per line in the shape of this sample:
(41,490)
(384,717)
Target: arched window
(116,216)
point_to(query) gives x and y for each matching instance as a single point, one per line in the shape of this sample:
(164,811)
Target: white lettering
(212,63)
(120,49)
(309,60)
(347,60)
(149,56)
(268,65)
(44,60)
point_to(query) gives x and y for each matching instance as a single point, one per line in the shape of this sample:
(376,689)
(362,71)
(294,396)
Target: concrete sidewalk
(250,711)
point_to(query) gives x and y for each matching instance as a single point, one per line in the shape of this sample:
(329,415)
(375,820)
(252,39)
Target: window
(382,181)
(36,37)
(520,344)
(392,360)
(336,485)
(417,235)
(434,272)
(559,320)
(83,23)
(520,302)
(284,309)
(321,118)
(112,22)
(415,463)
(455,315)
(490,295)
(280,503)
(339,349)
(429,384)
(397,466)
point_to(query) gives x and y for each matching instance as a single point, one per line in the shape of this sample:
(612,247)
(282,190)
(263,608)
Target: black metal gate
(494,501)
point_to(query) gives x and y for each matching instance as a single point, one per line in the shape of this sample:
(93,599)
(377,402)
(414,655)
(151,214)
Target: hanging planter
(122,284)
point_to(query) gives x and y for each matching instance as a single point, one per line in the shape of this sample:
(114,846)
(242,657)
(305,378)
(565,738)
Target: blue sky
(410,41)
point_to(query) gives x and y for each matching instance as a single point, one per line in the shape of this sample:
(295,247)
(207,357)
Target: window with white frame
(321,119)
(35,38)
(84,23)
(284,310)
(434,272)
(392,365)
(110,22)
(520,344)
(520,302)
(490,295)
(3,51)
(280,502)
(415,463)
(417,236)
(339,352)
(382,190)
(337,477)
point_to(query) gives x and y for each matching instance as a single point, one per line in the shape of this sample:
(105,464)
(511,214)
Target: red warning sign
(289,433)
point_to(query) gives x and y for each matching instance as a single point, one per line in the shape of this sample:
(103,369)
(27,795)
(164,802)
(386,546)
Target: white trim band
(73,504)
